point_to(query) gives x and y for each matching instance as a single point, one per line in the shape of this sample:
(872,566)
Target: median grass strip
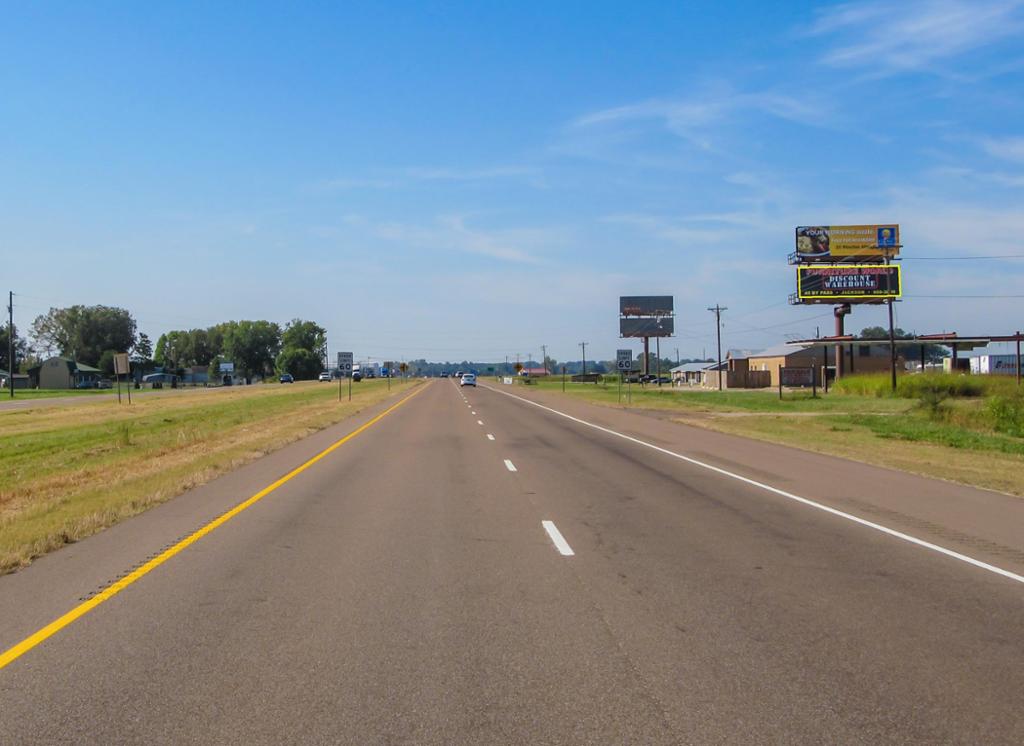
(957,428)
(69,471)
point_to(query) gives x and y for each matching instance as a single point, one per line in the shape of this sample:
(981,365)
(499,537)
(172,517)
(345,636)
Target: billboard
(645,305)
(827,283)
(794,377)
(652,327)
(847,243)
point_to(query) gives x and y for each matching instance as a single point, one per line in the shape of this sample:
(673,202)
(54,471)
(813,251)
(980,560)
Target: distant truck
(1002,365)
(367,370)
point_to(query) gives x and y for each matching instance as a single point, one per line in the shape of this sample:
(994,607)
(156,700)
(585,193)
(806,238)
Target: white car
(468,379)
(325,376)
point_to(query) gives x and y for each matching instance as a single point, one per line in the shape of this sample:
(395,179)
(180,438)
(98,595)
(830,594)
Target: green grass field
(68,471)
(959,428)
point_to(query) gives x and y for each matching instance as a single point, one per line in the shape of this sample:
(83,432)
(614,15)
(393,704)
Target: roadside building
(858,358)
(64,373)
(197,375)
(534,372)
(21,380)
(690,374)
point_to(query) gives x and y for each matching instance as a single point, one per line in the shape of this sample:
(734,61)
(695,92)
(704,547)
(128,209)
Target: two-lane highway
(471,568)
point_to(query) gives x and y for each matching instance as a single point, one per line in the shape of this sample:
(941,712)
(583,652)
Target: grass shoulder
(69,471)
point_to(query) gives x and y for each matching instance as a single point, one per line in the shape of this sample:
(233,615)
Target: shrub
(1007,413)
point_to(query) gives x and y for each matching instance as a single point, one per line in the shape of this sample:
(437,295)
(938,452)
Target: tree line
(94,334)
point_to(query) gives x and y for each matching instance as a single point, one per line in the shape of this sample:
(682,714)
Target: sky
(473,180)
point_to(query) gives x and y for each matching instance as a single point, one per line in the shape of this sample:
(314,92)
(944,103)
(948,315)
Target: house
(64,373)
(21,381)
(858,358)
(690,374)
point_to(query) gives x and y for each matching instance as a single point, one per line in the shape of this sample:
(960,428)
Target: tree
(84,332)
(304,335)
(253,346)
(20,350)
(303,364)
(933,353)
(173,350)
(143,347)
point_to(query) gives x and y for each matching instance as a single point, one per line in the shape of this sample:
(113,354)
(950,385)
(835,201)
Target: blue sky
(473,180)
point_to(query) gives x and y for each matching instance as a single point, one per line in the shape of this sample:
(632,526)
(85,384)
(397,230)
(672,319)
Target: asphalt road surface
(472,568)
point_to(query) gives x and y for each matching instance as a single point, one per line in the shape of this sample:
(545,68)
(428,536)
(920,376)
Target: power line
(964,296)
(958,258)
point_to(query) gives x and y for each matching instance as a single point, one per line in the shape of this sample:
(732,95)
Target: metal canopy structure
(952,340)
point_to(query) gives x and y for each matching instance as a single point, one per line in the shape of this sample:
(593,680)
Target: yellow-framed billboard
(847,243)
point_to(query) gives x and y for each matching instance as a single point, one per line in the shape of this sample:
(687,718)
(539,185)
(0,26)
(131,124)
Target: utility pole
(718,326)
(10,340)
(677,356)
(584,346)
(544,349)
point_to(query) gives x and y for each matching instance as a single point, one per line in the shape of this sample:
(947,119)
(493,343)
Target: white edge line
(490,437)
(556,536)
(479,422)
(782,493)
(510,466)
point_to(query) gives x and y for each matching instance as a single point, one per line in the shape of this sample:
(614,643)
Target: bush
(917,386)
(1007,413)
(932,384)
(865,384)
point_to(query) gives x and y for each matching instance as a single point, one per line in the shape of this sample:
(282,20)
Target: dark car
(357,376)
(286,378)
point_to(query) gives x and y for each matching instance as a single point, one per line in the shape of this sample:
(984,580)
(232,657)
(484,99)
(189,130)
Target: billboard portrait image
(847,243)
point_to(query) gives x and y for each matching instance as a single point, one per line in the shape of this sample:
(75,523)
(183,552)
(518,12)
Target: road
(473,568)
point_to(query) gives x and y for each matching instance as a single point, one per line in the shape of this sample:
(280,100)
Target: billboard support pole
(647,356)
(657,364)
(892,341)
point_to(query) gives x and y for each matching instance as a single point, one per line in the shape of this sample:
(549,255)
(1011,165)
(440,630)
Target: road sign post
(345,369)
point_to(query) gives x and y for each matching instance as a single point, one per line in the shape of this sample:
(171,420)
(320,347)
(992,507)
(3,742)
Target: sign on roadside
(345,363)
(624,359)
(121,367)
(227,367)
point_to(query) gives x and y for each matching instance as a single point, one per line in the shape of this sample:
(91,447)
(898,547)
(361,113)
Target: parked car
(286,378)
(468,379)
(325,376)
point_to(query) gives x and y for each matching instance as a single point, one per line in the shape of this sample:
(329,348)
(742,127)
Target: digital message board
(848,283)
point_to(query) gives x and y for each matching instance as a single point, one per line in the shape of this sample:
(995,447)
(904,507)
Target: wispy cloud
(889,36)
(693,118)
(404,177)
(453,232)
(1005,148)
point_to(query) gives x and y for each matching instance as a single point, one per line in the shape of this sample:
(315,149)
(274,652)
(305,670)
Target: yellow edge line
(12,654)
